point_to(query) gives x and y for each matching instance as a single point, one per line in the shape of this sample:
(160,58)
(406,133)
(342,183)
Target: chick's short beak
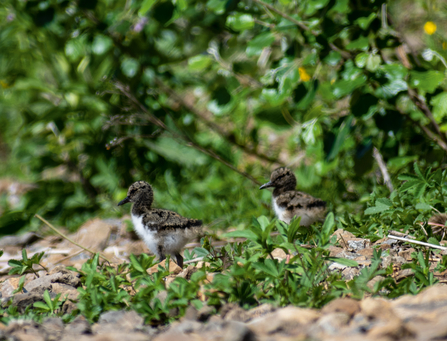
(124,201)
(268,184)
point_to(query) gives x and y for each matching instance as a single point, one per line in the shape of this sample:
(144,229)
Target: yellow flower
(444,45)
(303,74)
(430,27)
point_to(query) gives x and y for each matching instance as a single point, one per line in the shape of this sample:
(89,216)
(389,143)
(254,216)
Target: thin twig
(420,103)
(68,257)
(383,169)
(229,137)
(193,260)
(303,26)
(400,234)
(68,238)
(286,16)
(433,136)
(418,242)
(154,120)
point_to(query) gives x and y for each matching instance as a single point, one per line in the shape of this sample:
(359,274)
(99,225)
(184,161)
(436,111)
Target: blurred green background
(204,98)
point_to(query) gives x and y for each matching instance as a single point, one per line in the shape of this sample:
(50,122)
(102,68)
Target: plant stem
(68,238)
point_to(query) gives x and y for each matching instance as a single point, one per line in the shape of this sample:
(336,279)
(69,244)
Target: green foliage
(20,266)
(247,273)
(182,94)
(50,305)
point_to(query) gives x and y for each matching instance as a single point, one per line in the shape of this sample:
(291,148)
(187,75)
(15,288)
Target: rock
(397,260)
(24,330)
(259,311)
(289,319)
(343,237)
(372,283)
(349,273)
(205,312)
(45,283)
(377,309)
(53,328)
(237,331)
(21,301)
(117,336)
(358,244)
(348,306)
(279,254)
(432,300)
(78,326)
(173,267)
(331,323)
(175,337)
(9,286)
(334,250)
(187,273)
(121,320)
(232,311)
(22,240)
(185,327)
(191,313)
(94,235)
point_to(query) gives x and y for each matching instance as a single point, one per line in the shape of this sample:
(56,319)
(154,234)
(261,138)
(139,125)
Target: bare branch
(417,242)
(383,169)
(154,120)
(229,137)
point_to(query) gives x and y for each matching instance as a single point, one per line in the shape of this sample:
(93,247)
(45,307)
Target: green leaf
(433,241)
(130,67)
(343,261)
(41,305)
(408,177)
(439,103)
(361,43)
(101,44)
(364,22)
(201,252)
(263,222)
(373,62)
(47,299)
(423,206)
(333,58)
(375,209)
(256,45)
(241,234)
(410,184)
(329,224)
(268,267)
(145,7)
(361,59)
(419,190)
(14,263)
(24,255)
(199,62)
(344,87)
(240,22)
(384,202)
(136,264)
(341,138)
(217,6)
(418,171)
(427,81)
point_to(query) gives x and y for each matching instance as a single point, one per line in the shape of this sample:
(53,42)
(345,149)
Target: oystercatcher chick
(163,231)
(288,202)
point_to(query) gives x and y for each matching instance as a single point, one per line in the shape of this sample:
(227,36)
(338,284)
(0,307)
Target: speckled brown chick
(288,202)
(163,231)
